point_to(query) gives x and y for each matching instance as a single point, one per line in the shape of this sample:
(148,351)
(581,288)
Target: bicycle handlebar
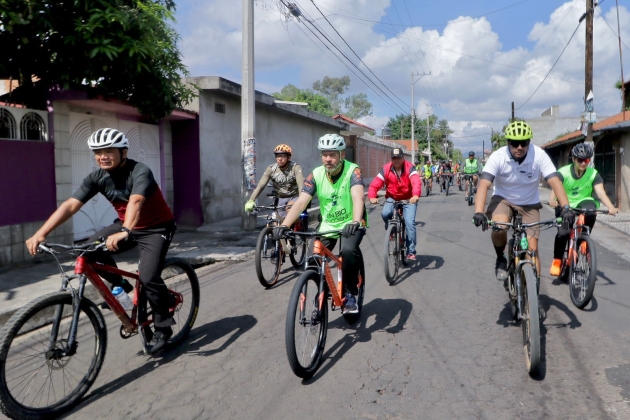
(551,223)
(49,247)
(316,234)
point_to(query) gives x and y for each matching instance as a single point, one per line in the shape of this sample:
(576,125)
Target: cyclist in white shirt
(515,170)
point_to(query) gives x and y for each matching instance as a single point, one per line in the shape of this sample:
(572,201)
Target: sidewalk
(212,243)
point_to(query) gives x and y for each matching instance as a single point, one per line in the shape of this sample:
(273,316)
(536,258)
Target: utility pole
(413,112)
(588,82)
(248,101)
(512,111)
(623,84)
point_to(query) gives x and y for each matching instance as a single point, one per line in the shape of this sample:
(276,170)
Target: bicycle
(270,254)
(427,185)
(446,181)
(579,261)
(470,188)
(307,314)
(395,249)
(522,285)
(460,183)
(53,348)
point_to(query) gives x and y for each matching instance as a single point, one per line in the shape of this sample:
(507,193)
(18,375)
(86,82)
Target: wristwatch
(124,229)
(566,207)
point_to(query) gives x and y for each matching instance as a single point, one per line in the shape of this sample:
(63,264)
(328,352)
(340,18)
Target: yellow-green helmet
(518,130)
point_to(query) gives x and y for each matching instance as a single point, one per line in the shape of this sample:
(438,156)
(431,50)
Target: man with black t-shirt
(144,219)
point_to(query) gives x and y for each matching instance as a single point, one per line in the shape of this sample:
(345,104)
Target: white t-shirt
(518,184)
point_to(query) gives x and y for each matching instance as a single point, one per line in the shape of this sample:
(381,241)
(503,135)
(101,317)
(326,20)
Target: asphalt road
(438,344)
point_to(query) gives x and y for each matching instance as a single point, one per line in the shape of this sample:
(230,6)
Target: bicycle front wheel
(183,285)
(306,325)
(268,258)
(39,376)
(390,253)
(531,319)
(583,272)
(298,247)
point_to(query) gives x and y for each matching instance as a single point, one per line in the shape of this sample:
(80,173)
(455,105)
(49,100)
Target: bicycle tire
(390,253)
(581,289)
(180,277)
(352,318)
(531,323)
(448,184)
(305,343)
(28,323)
(510,280)
(461,187)
(268,265)
(402,244)
(298,248)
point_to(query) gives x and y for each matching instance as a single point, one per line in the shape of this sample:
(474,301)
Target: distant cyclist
(285,175)
(471,169)
(339,186)
(144,219)
(402,183)
(579,182)
(427,173)
(446,175)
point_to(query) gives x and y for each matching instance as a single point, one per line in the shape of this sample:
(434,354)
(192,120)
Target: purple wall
(27,181)
(186,173)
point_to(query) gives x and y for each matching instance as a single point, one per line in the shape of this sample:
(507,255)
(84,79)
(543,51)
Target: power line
(554,65)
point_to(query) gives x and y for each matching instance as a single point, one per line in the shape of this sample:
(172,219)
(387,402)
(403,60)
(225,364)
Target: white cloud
(473,78)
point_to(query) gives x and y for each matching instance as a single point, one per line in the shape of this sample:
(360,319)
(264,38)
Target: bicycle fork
(71,345)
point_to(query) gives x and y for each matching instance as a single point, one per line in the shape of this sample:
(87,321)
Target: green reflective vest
(335,200)
(427,171)
(579,190)
(471,167)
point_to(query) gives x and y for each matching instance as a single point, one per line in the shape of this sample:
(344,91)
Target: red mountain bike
(52,349)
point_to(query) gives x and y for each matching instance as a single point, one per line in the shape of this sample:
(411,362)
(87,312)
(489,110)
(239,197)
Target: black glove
(480,219)
(568,218)
(349,229)
(278,232)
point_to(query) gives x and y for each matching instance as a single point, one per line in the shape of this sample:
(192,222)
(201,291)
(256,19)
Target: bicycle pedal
(104,305)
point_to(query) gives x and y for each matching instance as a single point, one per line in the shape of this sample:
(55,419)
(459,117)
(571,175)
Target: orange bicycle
(307,315)
(579,262)
(53,348)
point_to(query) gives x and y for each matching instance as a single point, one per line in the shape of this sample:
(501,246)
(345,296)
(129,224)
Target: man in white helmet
(144,219)
(339,187)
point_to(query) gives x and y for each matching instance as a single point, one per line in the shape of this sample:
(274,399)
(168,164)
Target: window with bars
(7,125)
(32,127)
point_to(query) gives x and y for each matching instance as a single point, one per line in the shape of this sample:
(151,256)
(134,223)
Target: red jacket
(401,187)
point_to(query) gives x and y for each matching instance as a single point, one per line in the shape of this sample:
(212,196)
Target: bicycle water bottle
(304,219)
(123,298)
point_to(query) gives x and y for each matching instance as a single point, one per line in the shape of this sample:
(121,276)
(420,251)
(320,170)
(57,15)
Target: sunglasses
(587,160)
(516,143)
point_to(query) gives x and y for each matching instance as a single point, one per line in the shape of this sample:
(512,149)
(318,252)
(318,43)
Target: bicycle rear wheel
(38,378)
(183,285)
(448,184)
(268,258)
(306,325)
(531,321)
(390,253)
(402,245)
(583,272)
(461,186)
(471,197)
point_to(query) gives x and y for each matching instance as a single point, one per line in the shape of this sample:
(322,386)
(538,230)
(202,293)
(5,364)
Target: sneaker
(160,338)
(554,270)
(411,257)
(500,268)
(350,306)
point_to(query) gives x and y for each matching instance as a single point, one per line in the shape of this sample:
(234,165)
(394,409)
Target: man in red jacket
(403,183)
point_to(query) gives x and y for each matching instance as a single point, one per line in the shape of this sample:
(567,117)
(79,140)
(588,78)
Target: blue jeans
(409,214)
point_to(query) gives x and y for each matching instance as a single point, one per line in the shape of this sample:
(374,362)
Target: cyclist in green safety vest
(427,174)
(579,181)
(339,186)
(471,168)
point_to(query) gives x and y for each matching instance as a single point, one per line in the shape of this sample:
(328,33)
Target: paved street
(438,344)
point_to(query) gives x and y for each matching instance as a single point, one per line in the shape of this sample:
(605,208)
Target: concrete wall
(220,147)
(549,128)
(169,187)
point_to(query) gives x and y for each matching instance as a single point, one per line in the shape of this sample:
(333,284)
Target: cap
(397,152)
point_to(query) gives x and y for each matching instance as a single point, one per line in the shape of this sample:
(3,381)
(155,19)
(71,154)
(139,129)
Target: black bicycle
(522,285)
(460,182)
(579,262)
(395,249)
(470,189)
(446,182)
(270,253)
(427,185)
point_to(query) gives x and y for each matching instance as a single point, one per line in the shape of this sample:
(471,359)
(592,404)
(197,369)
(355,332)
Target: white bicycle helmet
(108,137)
(331,142)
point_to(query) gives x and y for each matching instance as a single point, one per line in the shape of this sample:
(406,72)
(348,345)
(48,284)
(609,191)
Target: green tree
(358,106)
(626,94)
(439,131)
(498,140)
(118,48)
(456,155)
(317,103)
(333,89)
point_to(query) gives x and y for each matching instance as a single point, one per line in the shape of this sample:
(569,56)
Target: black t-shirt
(123,182)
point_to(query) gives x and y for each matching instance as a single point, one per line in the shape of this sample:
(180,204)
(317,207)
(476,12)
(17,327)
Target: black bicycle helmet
(471,153)
(582,151)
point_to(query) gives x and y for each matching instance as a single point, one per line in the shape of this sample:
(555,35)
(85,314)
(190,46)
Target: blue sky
(482,54)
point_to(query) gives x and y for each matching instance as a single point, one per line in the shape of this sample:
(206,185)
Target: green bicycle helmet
(518,130)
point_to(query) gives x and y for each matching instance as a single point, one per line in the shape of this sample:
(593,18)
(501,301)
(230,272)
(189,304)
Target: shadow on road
(385,312)
(199,338)
(413,267)
(602,275)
